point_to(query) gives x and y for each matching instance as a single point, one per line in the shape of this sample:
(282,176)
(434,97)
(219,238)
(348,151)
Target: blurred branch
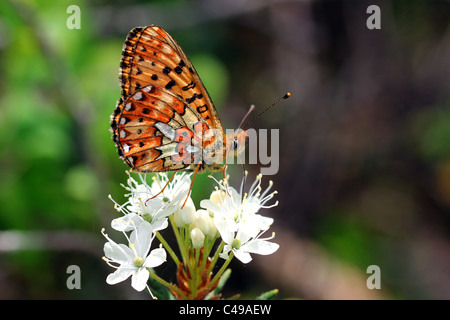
(307,270)
(115,19)
(13,241)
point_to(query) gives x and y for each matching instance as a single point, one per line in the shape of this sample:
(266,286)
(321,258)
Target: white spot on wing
(166,130)
(137,96)
(147,88)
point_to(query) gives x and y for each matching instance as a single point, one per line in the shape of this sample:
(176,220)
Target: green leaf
(159,291)
(223,279)
(267,295)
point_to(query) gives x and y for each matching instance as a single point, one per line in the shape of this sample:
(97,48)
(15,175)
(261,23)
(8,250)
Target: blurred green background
(364,173)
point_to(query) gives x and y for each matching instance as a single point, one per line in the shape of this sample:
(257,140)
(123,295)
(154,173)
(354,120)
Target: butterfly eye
(235,143)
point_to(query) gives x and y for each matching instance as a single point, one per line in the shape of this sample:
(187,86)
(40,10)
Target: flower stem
(168,248)
(168,285)
(216,256)
(197,274)
(208,246)
(222,269)
(183,249)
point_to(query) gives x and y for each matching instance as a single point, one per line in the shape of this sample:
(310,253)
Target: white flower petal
(160,224)
(126,223)
(249,226)
(242,236)
(264,223)
(243,256)
(139,279)
(151,204)
(121,274)
(119,253)
(155,258)
(224,254)
(225,226)
(141,237)
(261,247)
(211,206)
(252,205)
(234,195)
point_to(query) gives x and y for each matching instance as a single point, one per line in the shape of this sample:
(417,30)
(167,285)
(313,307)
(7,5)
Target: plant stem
(208,246)
(168,248)
(222,269)
(198,271)
(179,240)
(168,285)
(216,256)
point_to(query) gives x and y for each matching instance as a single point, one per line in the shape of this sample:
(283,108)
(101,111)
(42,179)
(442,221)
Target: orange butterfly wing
(164,106)
(152,57)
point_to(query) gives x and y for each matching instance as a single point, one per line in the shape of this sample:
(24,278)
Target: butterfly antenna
(287,95)
(252,107)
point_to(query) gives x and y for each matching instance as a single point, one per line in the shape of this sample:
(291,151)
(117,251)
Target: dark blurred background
(364,173)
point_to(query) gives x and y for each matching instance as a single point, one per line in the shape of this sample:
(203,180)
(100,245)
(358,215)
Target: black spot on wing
(189,86)
(178,70)
(194,97)
(170,84)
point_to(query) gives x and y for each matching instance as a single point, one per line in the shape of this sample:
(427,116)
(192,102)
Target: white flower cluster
(235,217)
(227,214)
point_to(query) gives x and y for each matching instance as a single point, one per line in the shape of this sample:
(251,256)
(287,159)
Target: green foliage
(431,133)
(267,295)
(347,239)
(385,113)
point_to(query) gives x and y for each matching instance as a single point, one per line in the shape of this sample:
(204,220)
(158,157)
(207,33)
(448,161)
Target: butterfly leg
(224,168)
(192,183)
(167,183)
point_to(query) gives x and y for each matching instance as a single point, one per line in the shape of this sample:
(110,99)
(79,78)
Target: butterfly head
(236,142)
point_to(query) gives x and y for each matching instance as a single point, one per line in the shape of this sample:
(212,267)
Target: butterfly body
(165,119)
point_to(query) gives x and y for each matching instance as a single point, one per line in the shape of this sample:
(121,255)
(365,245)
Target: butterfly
(165,119)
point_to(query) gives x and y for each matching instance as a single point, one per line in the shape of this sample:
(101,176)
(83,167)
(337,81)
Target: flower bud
(197,237)
(202,221)
(213,232)
(185,216)
(217,196)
